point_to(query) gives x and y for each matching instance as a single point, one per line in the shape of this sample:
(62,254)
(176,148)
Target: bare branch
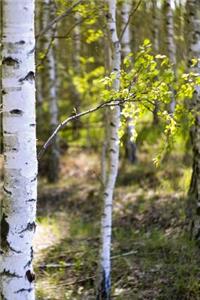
(74,117)
(58,19)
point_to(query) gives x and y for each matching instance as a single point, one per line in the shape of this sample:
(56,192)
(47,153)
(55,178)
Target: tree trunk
(104,285)
(155,34)
(77,71)
(20,162)
(126,49)
(54,156)
(193,207)
(171,46)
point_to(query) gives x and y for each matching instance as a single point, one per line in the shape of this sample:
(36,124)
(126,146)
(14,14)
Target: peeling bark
(19,139)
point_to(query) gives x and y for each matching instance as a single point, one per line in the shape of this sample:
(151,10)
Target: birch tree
(19,139)
(193,33)
(53,171)
(104,285)
(171,46)
(126,49)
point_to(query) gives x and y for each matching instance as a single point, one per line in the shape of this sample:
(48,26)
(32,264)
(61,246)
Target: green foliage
(152,80)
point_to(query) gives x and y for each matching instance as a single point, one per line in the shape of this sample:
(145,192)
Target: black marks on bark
(7,191)
(31,252)
(9,61)
(4,233)
(32,125)
(20,42)
(3,92)
(107,226)
(29,227)
(34,179)
(106,194)
(30,276)
(17,112)
(109,205)
(112,150)
(23,290)
(31,258)
(12,249)
(9,274)
(31,51)
(5,245)
(29,77)
(6,132)
(112,124)
(31,200)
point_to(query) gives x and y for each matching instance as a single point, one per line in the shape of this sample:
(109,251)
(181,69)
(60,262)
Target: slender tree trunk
(104,286)
(126,49)
(171,46)
(193,207)
(20,162)
(77,70)
(39,47)
(54,157)
(155,34)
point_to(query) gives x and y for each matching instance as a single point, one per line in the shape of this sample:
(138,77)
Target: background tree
(171,46)
(126,50)
(49,11)
(193,209)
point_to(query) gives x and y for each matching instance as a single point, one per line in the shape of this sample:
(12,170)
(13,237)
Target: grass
(152,256)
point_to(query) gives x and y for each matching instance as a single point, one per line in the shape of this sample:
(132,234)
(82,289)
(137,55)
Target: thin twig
(58,19)
(46,52)
(74,117)
(124,254)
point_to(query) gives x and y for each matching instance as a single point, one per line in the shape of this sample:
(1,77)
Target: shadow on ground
(152,258)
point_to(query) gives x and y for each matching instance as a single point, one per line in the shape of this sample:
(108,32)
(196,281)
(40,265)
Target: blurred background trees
(75,58)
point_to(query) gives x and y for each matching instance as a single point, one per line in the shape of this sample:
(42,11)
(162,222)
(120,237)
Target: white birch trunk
(20,162)
(171,46)
(104,286)
(126,49)
(193,209)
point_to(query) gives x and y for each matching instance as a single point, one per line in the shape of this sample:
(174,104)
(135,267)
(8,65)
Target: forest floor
(152,258)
